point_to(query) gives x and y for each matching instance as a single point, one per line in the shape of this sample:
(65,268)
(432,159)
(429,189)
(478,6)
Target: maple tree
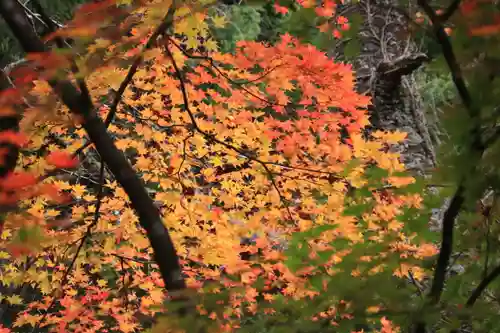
(199,148)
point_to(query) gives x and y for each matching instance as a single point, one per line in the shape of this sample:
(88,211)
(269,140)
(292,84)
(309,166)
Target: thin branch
(213,138)
(218,70)
(415,283)
(161,29)
(229,168)
(482,286)
(124,284)
(140,261)
(476,148)
(447,49)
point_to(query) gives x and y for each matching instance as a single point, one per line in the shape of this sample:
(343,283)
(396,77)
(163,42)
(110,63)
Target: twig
(415,283)
(214,139)
(140,261)
(224,75)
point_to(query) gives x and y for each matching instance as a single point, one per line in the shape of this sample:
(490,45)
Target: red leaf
(468,7)
(24,75)
(17,250)
(61,159)
(15,138)
(11,96)
(280,9)
(8,200)
(18,180)
(53,193)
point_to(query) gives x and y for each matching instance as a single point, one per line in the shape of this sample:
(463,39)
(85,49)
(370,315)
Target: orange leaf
(485,30)
(61,159)
(387,326)
(6,111)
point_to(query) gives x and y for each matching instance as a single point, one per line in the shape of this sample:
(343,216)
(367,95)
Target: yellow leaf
(6,234)
(211,45)
(217,161)
(45,287)
(51,213)
(219,21)
(109,245)
(101,42)
(71,292)
(79,190)
(143,162)
(148,285)
(373,309)
(14,300)
(127,326)
(78,212)
(157,295)
(168,197)
(192,42)
(102,283)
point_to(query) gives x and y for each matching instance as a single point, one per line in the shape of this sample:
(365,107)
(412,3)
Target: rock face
(385,70)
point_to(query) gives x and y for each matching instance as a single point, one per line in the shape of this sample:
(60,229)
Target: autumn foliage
(268,143)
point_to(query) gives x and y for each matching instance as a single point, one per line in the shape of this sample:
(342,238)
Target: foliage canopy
(233,139)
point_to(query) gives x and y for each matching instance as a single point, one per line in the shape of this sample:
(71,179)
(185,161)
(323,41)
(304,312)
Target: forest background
(393,251)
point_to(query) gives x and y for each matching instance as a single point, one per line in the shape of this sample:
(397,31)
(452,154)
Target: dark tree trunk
(385,70)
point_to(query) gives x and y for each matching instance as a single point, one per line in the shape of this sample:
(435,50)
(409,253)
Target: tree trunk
(385,69)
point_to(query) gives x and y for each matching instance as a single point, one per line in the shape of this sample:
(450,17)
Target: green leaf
(357,210)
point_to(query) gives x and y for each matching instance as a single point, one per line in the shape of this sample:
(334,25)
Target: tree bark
(385,70)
